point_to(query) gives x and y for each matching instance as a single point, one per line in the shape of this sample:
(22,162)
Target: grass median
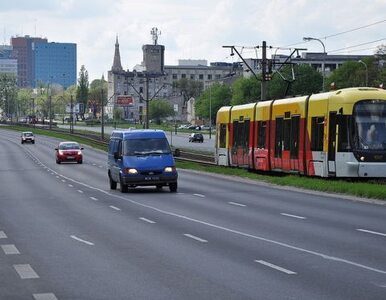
(355,187)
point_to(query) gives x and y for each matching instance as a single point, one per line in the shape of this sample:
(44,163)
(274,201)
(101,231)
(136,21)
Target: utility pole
(264,72)
(147,102)
(72,116)
(103,117)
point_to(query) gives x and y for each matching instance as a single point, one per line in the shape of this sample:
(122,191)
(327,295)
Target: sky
(196,29)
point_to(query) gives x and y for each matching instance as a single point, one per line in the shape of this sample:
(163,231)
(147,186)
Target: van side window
(119,147)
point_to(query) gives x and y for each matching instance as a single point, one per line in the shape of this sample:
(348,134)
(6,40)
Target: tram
(340,133)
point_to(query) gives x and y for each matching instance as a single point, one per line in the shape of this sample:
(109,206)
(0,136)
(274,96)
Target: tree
(98,87)
(212,99)
(350,74)
(8,94)
(160,108)
(189,88)
(24,102)
(245,90)
(83,88)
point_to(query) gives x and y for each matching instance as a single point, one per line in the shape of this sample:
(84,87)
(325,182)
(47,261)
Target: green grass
(367,189)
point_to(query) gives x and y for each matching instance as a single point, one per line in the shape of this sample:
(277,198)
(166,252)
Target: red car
(69,151)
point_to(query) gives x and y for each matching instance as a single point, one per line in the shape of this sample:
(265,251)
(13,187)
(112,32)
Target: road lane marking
(25,271)
(114,207)
(265,263)
(2,235)
(63,180)
(195,238)
(372,232)
(237,204)
(147,220)
(10,249)
(80,191)
(199,195)
(70,185)
(234,231)
(82,241)
(93,198)
(293,216)
(45,296)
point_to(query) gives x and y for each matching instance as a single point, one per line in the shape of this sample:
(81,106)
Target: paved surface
(65,235)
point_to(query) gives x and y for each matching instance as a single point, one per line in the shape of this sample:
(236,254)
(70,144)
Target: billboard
(125,101)
(77,108)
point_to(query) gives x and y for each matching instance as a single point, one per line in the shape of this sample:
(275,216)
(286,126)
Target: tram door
(331,142)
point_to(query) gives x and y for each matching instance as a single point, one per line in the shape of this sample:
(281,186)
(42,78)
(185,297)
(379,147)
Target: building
(152,79)
(8,61)
(55,63)
(23,49)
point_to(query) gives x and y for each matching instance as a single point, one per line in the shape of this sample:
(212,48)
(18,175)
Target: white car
(27,136)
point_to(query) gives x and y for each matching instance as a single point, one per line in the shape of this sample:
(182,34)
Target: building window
(174,76)
(183,75)
(192,76)
(209,76)
(201,76)
(218,76)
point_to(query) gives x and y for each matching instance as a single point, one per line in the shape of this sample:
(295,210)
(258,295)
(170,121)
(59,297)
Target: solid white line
(237,204)
(114,207)
(10,249)
(25,271)
(372,232)
(199,195)
(46,296)
(234,231)
(2,235)
(93,198)
(195,238)
(293,216)
(80,191)
(82,241)
(147,220)
(289,272)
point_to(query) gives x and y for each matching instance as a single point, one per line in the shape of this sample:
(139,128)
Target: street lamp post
(367,72)
(210,112)
(324,56)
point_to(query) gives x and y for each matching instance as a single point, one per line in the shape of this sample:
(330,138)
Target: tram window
(261,134)
(235,133)
(295,122)
(344,133)
(278,137)
(317,132)
(287,134)
(223,132)
(246,134)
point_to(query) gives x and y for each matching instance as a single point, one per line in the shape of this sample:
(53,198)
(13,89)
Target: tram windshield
(370,120)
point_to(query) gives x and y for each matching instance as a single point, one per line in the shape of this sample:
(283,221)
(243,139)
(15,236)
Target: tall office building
(55,63)
(23,50)
(8,61)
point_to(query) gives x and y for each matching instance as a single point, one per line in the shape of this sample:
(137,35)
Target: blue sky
(195,29)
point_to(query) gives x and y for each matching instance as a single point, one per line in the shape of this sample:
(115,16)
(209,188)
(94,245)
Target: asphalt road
(65,235)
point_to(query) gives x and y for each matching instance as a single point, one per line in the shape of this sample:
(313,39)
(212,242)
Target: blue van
(141,158)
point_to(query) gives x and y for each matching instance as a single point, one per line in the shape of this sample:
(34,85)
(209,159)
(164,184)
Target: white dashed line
(289,272)
(57,177)
(94,164)
(195,238)
(372,232)
(82,241)
(237,204)
(2,235)
(114,207)
(46,296)
(25,271)
(293,216)
(70,185)
(10,249)
(199,195)
(63,180)
(80,191)
(147,220)
(93,198)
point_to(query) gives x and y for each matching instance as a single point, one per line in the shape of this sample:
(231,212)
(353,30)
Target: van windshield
(146,147)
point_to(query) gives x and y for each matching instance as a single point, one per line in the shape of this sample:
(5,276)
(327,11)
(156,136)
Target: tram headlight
(362,158)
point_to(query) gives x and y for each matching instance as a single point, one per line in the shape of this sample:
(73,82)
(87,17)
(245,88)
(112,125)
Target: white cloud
(190,29)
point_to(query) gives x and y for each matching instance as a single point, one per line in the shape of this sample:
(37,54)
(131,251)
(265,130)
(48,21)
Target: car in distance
(69,151)
(196,137)
(27,137)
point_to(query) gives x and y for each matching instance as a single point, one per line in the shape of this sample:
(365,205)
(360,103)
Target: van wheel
(173,187)
(113,184)
(124,187)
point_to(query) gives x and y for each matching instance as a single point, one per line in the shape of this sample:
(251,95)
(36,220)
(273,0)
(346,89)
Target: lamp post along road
(367,72)
(324,57)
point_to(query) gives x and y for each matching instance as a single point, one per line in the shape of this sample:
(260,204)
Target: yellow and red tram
(335,134)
